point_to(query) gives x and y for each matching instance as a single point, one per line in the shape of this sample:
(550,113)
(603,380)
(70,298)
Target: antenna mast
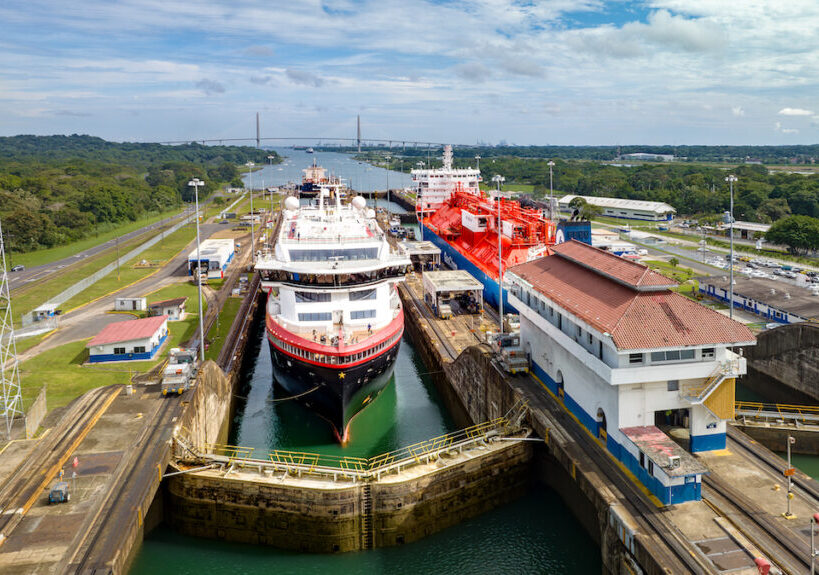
(11,400)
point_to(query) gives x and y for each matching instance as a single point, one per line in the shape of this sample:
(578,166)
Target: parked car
(18,268)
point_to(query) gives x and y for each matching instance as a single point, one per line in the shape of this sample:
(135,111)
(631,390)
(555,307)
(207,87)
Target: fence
(87,282)
(36,413)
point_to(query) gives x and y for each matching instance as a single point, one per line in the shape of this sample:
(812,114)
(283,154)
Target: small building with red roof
(136,339)
(622,350)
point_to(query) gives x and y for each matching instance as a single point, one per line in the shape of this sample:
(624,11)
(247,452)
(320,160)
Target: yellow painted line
(74,444)
(619,463)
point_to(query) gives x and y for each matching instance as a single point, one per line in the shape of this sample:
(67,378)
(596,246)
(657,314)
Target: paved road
(40,273)
(87,321)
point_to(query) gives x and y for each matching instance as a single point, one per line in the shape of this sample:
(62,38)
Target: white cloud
(738,111)
(795,112)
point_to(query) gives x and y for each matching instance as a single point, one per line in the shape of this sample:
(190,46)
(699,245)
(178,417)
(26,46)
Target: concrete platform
(49,535)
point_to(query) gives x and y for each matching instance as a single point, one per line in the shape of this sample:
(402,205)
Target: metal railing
(357,468)
(699,392)
(777,412)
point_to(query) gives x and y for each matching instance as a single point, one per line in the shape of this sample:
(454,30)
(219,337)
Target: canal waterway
(359,176)
(535,534)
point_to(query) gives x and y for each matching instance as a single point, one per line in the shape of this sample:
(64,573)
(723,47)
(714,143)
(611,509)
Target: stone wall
(302,516)
(784,364)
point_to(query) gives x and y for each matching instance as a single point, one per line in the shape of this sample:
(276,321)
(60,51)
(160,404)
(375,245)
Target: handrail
(784,410)
(723,370)
(357,467)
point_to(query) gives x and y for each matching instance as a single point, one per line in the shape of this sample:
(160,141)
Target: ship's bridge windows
(362,294)
(316,316)
(307,296)
(338,254)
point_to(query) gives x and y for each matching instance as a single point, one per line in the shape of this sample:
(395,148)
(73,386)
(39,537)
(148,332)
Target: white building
(130,304)
(215,257)
(433,187)
(135,339)
(173,308)
(623,208)
(649,157)
(621,350)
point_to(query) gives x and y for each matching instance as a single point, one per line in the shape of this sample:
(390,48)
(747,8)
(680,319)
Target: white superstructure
(332,273)
(433,187)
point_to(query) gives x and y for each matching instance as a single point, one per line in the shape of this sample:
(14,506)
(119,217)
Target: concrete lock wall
(312,519)
(206,417)
(784,363)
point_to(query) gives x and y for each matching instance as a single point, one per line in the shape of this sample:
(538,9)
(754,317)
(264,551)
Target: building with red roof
(136,339)
(622,350)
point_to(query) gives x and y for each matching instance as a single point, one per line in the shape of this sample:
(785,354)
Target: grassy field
(63,371)
(161,253)
(220,328)
(41,257)
(32,295)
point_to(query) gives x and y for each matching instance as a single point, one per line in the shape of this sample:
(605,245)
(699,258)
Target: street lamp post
(478,160)
(498,179)
(388,158)
(252,214)
(731,179)
(195,183)
(551,165)
(420,203)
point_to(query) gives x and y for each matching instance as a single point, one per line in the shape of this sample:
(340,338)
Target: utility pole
(258,132)
(358,133)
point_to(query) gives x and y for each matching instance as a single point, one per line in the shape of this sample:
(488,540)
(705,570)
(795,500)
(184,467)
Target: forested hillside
(57,189)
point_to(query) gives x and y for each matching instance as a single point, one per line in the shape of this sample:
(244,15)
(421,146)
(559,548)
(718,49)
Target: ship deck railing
(230,458)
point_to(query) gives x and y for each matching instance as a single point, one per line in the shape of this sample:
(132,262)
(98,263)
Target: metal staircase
(698,393)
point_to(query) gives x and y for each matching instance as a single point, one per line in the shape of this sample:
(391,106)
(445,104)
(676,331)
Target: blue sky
(570,72)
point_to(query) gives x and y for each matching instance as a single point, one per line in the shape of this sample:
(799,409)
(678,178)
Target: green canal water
(535,534)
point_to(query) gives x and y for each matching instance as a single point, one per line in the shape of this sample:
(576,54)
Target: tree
(773,209)
(674,262)
(799,233)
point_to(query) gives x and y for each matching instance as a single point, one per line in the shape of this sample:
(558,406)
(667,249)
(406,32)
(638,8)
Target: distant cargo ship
(315,178)
(463,222)
(334,319)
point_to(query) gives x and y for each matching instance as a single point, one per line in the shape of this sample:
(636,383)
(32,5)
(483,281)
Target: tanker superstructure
(467,225)
(334,319)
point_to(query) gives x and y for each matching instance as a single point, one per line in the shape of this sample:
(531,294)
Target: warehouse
(773,300)
(624,209)
(135,339)
(215,257)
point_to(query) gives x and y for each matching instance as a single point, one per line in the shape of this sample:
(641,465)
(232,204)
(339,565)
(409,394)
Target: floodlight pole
(252,215)
(731,179)
(498,179)
(551,165)
(195,183)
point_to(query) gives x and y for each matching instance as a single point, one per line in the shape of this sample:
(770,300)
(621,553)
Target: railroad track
(21,491)
(431,321)
(671,548)
(803,482)
(774,540)
(101,539)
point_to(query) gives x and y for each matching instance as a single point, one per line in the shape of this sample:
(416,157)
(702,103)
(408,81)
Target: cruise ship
(467,226)
(334,318)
